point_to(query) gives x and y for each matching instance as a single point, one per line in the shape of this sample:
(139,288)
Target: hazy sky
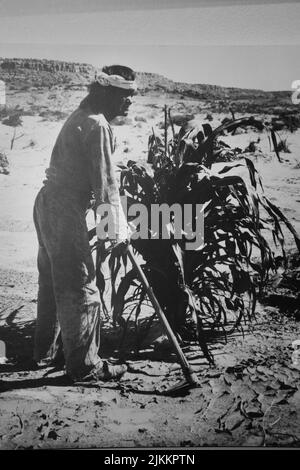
(243,43)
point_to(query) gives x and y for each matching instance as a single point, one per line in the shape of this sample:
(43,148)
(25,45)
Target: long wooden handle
(186,368)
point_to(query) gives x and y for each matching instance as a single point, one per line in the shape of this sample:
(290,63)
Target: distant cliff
(25,73)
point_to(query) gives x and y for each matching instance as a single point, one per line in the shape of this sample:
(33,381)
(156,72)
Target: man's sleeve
(98,150)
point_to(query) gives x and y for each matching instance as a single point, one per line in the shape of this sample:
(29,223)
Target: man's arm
(99,150)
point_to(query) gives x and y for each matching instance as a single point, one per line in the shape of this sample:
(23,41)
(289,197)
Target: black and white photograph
(149,227)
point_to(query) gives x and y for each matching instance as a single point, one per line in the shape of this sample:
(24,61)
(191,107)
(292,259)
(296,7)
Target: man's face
(119,102)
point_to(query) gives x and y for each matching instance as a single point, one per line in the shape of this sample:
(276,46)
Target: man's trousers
(68,298)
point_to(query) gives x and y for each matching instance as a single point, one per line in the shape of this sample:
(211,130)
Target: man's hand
(122,239)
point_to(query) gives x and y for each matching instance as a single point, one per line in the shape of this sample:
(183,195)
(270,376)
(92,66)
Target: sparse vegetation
(140,119)
(4,164)
(32,143)
(14,120)
(11,116)
(283,146)
(51,115)
(253,146)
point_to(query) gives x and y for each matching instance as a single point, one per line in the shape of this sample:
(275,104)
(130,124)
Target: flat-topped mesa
(24,73)
(44,65)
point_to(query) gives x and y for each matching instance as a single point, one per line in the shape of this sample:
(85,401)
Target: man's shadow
(9,385)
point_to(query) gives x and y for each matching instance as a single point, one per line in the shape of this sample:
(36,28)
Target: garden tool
(191,380)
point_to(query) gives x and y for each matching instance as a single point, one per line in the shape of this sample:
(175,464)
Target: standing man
(80,166)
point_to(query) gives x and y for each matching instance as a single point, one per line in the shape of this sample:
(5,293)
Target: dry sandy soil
(251,397)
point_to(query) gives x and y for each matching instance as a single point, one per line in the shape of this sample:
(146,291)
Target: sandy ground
(251,397)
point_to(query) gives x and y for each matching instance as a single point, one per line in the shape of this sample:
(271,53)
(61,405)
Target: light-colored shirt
(81,159)
(81,163)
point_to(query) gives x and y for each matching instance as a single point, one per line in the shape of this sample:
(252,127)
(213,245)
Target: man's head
(112,91)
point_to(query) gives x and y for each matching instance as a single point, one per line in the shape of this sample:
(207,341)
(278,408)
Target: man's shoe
(105,373)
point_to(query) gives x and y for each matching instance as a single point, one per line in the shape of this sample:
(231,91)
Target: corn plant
(211,290)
